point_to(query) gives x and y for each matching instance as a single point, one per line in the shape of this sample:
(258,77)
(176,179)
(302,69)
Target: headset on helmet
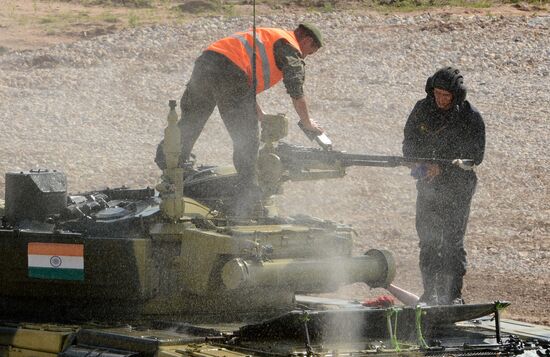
(454,85)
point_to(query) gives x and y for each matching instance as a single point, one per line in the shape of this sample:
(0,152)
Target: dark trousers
(216,81)
(219,82)
(442,211)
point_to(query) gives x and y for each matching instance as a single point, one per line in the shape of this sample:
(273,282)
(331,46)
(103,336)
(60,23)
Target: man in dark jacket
(445,126)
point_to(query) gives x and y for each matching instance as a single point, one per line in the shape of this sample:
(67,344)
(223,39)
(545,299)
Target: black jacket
(458,133)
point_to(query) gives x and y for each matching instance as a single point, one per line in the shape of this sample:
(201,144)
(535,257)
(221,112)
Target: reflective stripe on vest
(238,49)
(263,56)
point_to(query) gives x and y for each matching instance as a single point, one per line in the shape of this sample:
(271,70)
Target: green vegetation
(230,10)
(413,5)
(133,20)
(230,7)
(65,18)
(125,3)
(203,6)
(327,7)
(109,17)
(393,5)
(47,17)
(47,20)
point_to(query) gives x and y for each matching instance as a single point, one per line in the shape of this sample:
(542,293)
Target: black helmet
(448,78)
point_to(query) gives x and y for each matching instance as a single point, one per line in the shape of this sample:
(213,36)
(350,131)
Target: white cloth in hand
(462,165)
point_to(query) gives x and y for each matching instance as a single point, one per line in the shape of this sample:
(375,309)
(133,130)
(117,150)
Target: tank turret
(165,252)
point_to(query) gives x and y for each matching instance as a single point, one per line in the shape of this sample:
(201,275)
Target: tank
(172,270)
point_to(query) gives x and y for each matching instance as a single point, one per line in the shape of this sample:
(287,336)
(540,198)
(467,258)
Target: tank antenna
(254,79)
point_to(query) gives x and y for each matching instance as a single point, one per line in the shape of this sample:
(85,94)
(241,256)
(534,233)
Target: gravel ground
(96,109)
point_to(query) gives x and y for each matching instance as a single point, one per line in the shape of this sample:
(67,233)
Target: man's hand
(426,171)
(306,122)
(463,165)
(312,126)
(433,170)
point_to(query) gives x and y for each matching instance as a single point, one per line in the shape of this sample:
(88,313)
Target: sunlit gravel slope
(96,109)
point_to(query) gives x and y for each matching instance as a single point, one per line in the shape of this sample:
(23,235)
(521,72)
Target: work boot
(458,301)
(429,296)
(183,162)
(448,288)
(428,299)
(247,203)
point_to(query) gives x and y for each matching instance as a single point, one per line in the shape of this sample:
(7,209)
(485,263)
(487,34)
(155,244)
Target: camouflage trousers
(216,81)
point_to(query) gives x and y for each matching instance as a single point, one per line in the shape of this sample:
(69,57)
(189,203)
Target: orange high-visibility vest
(238,48)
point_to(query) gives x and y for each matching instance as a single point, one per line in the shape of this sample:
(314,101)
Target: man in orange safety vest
(222,77)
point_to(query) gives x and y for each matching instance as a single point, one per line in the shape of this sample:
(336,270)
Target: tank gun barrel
(376,268)
(295,155)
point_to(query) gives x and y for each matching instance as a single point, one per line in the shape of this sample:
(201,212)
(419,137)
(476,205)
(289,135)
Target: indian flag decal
(56,261)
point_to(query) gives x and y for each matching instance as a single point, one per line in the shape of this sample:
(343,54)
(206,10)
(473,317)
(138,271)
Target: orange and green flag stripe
(58,261)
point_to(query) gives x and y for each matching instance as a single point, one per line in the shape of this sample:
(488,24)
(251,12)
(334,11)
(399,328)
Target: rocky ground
(96,109)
